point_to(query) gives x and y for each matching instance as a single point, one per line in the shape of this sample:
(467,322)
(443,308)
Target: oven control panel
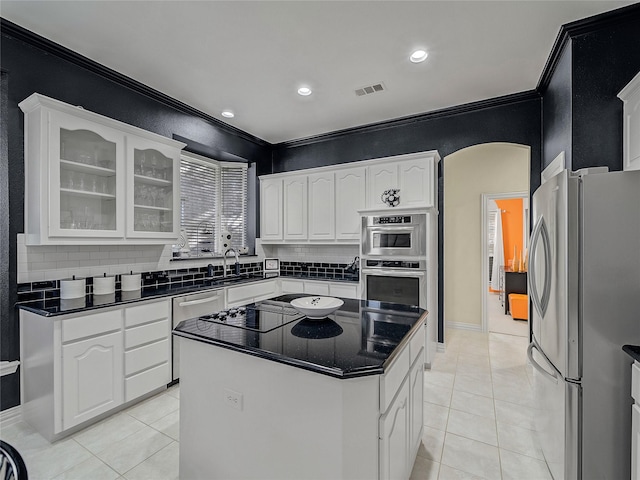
(394,264)
(392,220)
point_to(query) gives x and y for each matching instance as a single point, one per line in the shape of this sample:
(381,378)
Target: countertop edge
(150,295)
(633,351)
(335,373)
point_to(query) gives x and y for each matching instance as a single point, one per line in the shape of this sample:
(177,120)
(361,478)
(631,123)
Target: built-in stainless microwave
(397,235)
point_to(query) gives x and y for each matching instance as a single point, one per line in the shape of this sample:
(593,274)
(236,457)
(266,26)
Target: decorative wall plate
(391,197)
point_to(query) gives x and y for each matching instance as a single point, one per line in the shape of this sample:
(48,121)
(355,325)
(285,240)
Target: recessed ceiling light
(304,91)
(228,114)
(418,56)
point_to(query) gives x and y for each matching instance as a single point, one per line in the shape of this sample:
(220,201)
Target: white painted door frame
(486,199)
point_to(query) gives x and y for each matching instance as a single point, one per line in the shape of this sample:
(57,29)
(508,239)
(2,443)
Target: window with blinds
(213,200)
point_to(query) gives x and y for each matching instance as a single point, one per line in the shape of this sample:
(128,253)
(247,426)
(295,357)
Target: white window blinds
(213,199)
(233,203)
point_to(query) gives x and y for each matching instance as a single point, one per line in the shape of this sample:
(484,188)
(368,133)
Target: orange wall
(511,226)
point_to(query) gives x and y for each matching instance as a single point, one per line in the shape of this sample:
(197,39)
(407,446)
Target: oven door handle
(390,228)
(393,273)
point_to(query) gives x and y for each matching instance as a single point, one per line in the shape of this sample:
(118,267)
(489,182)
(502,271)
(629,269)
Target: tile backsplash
(313,253)
(53,262)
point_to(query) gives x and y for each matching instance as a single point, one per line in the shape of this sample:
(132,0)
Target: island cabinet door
(394,437)
(416,377)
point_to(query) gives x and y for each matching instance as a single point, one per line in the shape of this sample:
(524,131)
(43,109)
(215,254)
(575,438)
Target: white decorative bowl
(316,307)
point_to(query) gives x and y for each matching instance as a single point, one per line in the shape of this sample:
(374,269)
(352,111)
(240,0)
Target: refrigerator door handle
(540,302)
(553,375)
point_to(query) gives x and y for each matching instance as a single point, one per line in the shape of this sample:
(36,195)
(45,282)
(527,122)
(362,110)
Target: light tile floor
(477,425)
(478,415)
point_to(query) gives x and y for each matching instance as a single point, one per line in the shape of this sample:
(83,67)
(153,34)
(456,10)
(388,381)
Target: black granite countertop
(359,339)
(52,307)
(633,351)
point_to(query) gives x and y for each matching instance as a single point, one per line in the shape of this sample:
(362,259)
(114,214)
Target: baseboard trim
(10,416)
(464,326)
(440,348)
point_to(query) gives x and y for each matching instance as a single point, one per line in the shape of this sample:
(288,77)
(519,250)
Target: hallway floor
(478,412)
(499,322)
(477,425)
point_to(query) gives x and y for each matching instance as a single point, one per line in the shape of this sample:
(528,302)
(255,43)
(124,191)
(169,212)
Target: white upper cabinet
(322,203)
(295,207)
(414,176)
(271,209)
(417,181)
(80,183)
(351,196)
(630,95)
(84,189)
(153,173)
(379,179)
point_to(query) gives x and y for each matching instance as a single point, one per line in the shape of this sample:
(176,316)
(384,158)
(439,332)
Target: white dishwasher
(190,306)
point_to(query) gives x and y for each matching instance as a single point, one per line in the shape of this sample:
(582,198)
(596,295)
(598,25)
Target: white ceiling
(251,56)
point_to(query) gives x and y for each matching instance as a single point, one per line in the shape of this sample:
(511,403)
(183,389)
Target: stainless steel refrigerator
(584,284)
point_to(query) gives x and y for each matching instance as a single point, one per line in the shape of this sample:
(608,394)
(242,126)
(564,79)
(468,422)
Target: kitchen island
(282,396)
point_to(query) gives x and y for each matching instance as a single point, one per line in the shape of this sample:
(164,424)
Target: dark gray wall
(603,63)
(32,64)
(556,108)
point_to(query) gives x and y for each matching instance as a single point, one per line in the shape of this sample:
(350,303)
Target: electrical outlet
(234,399)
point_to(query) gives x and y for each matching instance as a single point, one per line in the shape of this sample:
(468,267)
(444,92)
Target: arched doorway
(468,174)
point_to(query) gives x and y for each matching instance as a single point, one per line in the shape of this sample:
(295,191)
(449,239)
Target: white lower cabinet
(401,400)
(92,381)
(319,287)
(251,292)
(147,357)
(394,437)
(416,415)
(344,290)
(316,288)
(76,367)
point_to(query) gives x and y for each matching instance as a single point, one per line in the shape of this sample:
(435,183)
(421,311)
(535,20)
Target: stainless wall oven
(397,281)
(394,235)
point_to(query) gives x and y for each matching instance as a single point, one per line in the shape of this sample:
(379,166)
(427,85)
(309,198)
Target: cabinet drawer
(635,381)
(316,288)
(392,379)
(146,333)
(92,324)
(292,286)
(145,357)
(417,344)
(147,381)
(254,290)
(146,313)
(343,290)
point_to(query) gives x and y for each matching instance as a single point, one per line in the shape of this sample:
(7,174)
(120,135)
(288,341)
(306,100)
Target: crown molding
(581,27)
(35,40)
(404,121)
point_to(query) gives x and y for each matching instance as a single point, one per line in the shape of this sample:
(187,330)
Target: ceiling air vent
(368,90)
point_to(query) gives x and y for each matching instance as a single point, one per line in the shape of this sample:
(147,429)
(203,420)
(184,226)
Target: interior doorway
(505,237)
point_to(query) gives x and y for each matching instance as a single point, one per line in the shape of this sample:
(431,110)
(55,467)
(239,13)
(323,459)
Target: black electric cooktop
(259,317)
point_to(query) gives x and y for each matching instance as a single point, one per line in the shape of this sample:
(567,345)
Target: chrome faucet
(224,259)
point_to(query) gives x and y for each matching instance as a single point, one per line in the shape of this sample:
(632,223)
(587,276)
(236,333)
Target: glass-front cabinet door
(153,185)
(86,182)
